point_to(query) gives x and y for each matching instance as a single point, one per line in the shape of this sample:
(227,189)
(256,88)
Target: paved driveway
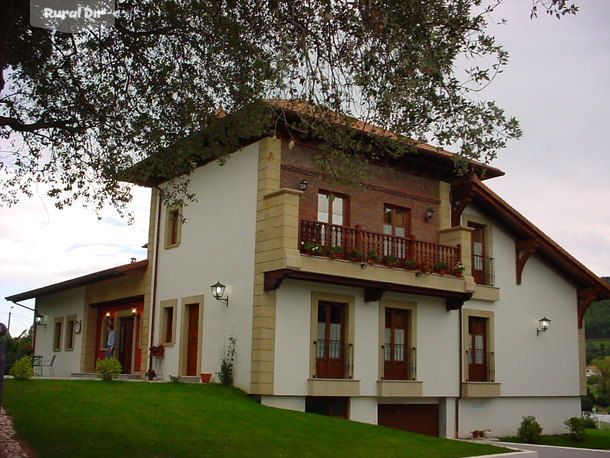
(546,451)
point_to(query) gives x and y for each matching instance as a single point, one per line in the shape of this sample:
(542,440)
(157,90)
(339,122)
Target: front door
(192,343)
(477,349)
(125,343)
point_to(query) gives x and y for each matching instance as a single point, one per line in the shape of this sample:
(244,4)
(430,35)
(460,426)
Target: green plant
(22,369)
(356,255)
(441,266)
(590,422)
(576,427)
(310,247)
(390,260)
(530,430)
(225,375)
(150,374)
(372,256)
(108,368)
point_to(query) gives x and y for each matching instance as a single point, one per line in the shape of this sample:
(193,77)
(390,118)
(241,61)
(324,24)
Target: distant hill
(597,319)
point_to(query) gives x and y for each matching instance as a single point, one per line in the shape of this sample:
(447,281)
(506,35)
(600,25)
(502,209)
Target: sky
(557,175)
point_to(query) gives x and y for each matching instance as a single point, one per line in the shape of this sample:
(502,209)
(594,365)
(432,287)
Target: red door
(396,349)
(330,346)
(125,343)
(477,349)
(192,343)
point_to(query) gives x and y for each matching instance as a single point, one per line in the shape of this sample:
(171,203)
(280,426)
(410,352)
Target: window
(70,321)
(168,321)
(396,222)
(478,332)
(332,208)
(57,334)
(173,226)
(398,357)
(482,262)
(331,406)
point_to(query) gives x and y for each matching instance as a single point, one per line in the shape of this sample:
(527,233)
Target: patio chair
(48,364)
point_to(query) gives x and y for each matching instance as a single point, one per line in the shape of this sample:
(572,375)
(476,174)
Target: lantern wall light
(428,214)
(218,291)
(543,325)
(41,320)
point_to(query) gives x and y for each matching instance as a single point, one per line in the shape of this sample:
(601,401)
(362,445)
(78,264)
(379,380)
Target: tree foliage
(597,320)
(77,108)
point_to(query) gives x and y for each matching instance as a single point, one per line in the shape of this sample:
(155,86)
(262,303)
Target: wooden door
(396,346)
(477,349)
(478,253)
(416,418)
(125,343)
(330,346)
(192,340)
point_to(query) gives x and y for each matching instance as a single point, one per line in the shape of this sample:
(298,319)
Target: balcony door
(478,252)
(477,349)
(330,344)
(396,222)
(332,210)
(396,345)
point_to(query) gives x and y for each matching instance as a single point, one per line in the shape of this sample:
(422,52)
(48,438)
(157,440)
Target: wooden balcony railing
(333,241)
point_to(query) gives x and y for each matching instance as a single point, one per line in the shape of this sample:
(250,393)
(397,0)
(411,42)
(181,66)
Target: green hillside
(60,418)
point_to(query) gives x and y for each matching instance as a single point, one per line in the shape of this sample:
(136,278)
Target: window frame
(70,333)
(165,328)
(330,203)
(489,344)
(173,226)
(407,220)
(57,335)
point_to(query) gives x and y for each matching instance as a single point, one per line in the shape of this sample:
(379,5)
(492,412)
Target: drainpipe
(461,370)
(154,279)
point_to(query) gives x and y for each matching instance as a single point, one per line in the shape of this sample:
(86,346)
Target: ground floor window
(330,406)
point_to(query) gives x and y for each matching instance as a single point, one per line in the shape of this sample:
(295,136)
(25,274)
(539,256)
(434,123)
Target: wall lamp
(428,215)
(134,311)
(41,320)
(303,184)
(218,290)
(543,325)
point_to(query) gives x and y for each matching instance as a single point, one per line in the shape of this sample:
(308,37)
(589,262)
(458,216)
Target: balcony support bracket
(373,293)
(523,250)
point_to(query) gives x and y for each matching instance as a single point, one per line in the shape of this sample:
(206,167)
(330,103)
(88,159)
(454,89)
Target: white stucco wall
(217,244)
(60,305)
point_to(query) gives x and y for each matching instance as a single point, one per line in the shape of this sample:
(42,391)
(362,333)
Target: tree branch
(19,126)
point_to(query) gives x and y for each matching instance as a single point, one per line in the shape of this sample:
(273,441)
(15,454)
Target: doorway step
(190,379)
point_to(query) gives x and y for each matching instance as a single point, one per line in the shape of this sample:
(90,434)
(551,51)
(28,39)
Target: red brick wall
(387,186)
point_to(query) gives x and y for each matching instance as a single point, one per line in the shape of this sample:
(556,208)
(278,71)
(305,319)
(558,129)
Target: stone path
(9,445)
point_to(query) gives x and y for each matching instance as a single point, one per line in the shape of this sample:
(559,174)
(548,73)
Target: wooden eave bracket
(585,297)
(461,196)
(523,250)
(373,294)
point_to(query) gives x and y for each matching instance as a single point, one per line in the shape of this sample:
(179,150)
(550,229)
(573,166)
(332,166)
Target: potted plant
(157,350)
(205,378)
(311,248)
(410,264)
(372,256)
(335,251)
(150,374)
(441,267)
(357,256)
(390,260)
(459,269)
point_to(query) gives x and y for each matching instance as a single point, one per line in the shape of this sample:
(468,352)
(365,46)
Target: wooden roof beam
(523,250)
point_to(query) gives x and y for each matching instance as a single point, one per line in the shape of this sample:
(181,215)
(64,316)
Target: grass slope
(77,418)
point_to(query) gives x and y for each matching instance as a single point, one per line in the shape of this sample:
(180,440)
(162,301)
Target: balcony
(334,360)
(354,244)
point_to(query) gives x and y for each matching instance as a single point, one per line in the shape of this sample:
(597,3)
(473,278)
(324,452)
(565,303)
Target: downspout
(461,374)
(154,279)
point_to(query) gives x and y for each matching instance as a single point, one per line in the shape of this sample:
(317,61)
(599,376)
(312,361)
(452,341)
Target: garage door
(416,418)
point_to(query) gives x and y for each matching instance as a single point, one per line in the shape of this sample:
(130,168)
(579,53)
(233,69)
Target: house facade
(414,302)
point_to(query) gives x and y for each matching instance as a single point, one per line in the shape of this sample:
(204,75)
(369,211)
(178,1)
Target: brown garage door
(416,418)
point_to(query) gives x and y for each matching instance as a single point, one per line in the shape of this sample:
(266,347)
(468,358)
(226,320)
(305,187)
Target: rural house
(422,301)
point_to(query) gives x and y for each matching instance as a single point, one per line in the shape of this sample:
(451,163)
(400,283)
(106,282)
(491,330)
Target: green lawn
(77,418)
(594,438)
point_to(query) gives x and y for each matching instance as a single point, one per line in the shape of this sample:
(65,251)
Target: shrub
(225,375)
(22,369)
(107,368)
(530,430)
(590,423)
(576,426)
